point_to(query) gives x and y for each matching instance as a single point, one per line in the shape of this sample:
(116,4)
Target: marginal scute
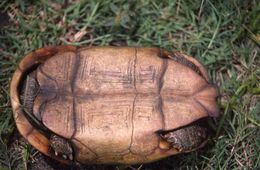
(33,136)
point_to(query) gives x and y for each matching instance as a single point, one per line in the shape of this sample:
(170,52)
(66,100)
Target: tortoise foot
(61,147)
(187,138)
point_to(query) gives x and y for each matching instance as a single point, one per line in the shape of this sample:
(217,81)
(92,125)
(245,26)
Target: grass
(223,35)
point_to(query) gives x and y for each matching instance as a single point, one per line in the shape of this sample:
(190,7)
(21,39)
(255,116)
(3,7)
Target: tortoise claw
(70,157)
(64,156)
(61,147)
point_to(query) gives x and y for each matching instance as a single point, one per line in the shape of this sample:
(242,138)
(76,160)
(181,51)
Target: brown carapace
(112,105)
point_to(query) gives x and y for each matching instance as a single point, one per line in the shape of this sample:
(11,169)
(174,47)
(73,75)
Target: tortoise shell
(112,104)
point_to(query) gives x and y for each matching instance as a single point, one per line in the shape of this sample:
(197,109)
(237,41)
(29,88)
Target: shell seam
(72,84)
(133,107)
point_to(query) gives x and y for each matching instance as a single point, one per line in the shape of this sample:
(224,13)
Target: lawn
(223,35)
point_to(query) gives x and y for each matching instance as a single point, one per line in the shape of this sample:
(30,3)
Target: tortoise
(112,105)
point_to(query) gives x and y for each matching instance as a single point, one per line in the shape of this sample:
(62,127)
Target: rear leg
(186,139)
